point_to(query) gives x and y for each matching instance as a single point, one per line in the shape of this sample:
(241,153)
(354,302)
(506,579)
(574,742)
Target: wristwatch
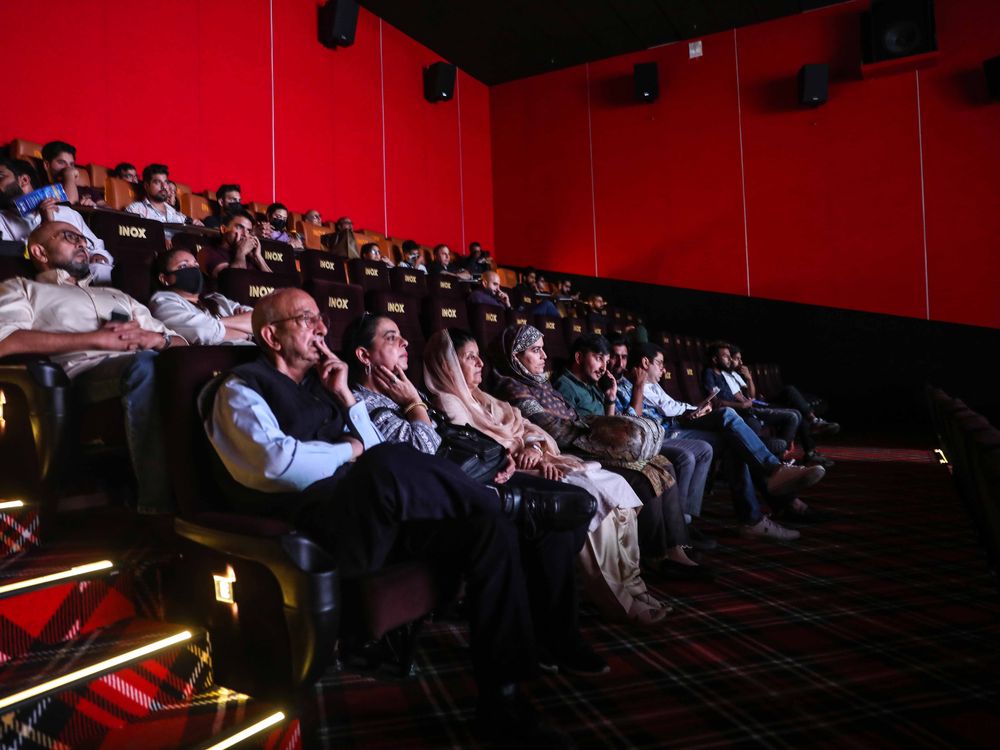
(166,342)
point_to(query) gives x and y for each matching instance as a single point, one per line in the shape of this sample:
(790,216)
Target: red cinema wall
(658,190)
(961,133)
(190,84)
(727,183)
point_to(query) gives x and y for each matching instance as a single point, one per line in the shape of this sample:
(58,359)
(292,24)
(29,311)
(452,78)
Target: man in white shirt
(102,338)
(203,319)
(294,443)
(17,178)
(155,206)
(748,458)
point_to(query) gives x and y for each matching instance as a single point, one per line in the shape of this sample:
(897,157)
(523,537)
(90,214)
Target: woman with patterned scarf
(610,556)
(628,446)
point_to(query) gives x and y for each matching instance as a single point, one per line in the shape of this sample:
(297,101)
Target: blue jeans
(692,460)
(131,378)
(747,457)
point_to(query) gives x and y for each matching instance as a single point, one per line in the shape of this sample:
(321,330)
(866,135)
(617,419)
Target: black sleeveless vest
(305,411)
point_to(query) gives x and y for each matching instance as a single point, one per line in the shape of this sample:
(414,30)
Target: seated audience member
(276,227)
(524,384)
(227,199)
(237,247)
(172,200)
(489,292)
(529,285)
(59,162)
(312,216)
(747,457)
(478,262)
(788,396)
(443,264)
(377,357)
(156,204)
(565,300)
(182,305)
(610,558)
(691,459)
(411,257)
(786,424)
(371,251)
(294,443)
(17,178)
(125,171)
(101,337)
(597,304)
(342,242)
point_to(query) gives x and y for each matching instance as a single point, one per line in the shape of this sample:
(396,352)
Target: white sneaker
(765,528)
(790,480)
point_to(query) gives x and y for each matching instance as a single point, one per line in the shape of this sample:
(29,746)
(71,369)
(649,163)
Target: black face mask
(188,280)
(230,206)
(279,224)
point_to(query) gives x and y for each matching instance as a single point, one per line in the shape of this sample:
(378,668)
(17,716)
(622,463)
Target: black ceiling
(501,40)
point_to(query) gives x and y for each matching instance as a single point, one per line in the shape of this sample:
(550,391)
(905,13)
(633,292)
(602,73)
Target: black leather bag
(477,454)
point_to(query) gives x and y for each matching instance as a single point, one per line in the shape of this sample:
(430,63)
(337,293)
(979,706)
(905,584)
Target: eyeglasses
(76,239)
(306,320)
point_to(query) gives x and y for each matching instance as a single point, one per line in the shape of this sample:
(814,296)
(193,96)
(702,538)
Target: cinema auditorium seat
(368,274)
(573,328)
(670,382)
(408,281)
(279,256)
(443,285)
(341,303)
(486,323)
(118,193)
(323,267)
(598,324)
(552,331)
(246,285)
(690,383)
(124,232)
(444,312)
(312,235)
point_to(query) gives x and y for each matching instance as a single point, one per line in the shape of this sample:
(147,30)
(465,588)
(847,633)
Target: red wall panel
(835,213)
(198,98)
(658,190)
(541,172)
(961,135)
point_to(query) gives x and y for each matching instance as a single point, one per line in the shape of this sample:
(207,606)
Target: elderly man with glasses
(103,338)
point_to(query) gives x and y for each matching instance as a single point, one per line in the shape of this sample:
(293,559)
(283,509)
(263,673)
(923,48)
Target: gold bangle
(411,407)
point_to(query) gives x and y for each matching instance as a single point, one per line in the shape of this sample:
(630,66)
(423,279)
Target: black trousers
(395,503)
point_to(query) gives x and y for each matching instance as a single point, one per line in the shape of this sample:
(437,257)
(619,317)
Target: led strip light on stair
(74,572)
(11,504)
(250,731)
(51,686)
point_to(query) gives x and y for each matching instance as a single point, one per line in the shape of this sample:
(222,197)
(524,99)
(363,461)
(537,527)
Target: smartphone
(117,316)
(711,394)
(604,382)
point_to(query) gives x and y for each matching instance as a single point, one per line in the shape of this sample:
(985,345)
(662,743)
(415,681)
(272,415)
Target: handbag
(621,439)
(476,453)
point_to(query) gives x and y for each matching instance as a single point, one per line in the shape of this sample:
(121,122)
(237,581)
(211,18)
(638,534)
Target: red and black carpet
(878,629)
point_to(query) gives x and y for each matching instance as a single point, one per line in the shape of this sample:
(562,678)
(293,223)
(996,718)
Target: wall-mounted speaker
(813,82)
(897,28)
(991,68)
(439,82)
(647,82)
(338,20)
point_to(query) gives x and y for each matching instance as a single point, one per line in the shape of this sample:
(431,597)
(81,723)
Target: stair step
(19,527)
(46,614)
(209,719)
(109,699)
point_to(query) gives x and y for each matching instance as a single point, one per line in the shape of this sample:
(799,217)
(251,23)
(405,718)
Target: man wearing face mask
(342,242)
(411,257)
(17,178)
(203,319)
(229,197)
(156,204)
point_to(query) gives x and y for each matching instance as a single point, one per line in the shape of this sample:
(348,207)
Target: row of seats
(972,446)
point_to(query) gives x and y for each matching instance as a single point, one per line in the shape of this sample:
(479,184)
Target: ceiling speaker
(647,82)
(897,28)
(439,82)
(813,82)
(338,20)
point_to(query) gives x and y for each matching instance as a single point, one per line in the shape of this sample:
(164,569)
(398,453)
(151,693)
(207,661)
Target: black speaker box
(439,82)
(647,82)
(338,20)
(897,28)
(991,68)
(813,81)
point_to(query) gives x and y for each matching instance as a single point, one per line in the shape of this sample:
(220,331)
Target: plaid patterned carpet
(878,629)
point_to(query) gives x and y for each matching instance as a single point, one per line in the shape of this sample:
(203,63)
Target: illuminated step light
(224,586)
(942,459)
(11,504)
(74,572)
(51,686)
(250,731)
(3,401)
